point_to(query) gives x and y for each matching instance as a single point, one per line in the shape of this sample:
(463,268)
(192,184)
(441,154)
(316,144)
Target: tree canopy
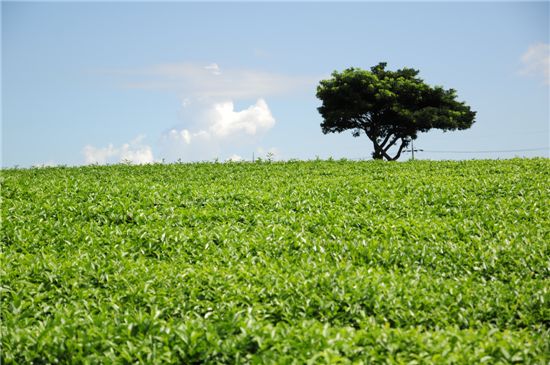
(390,107)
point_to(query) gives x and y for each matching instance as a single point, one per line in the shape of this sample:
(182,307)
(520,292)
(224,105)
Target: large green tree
(390,107)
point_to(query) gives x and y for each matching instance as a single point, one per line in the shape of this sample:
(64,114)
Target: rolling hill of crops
(290,262)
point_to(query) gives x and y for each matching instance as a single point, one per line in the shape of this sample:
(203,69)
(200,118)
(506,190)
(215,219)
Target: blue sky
(111,81)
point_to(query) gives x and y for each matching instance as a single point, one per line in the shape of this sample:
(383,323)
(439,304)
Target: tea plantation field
(317,262)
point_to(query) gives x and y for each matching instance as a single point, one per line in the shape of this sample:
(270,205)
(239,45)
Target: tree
(390,107)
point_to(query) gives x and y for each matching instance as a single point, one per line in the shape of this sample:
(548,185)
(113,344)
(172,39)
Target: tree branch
(381,150)
(403,144)
(385,154)
(391,144)
(383,144)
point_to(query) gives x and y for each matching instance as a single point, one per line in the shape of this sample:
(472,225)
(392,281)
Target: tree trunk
(381,150)
(377,154)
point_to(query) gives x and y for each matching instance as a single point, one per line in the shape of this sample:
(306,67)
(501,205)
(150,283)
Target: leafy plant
(286,262)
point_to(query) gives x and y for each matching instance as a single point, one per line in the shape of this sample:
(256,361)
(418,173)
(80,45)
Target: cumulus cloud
(254,120)
(211,126)
(98,155)
(224,122)
(536,61)
(222,126)
(135,152)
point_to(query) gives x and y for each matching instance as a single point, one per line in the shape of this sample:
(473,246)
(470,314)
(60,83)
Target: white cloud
(223,127)
(135,152)
(234,158)
(214,68)
(211,126)
(201,82)
(224,122)
(254,120)
(536,61)
(138,155)
(99,155)
(185,102)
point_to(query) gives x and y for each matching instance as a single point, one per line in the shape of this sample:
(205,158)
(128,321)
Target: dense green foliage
(296,262)
(390,107)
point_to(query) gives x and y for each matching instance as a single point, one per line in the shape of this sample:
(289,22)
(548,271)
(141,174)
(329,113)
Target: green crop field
(312,262)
